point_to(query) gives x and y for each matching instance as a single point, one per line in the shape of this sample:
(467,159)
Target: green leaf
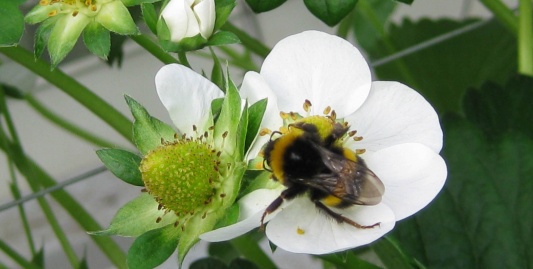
(137,217)
(444,71)
(208,263)
(256,112)
(259,6)
(241,263)
(123,164)
(223,250)
(370,21)
(242,130)
(348,260)
(221,38)
(496,110)
(390,253)
(150,16)
(153,247)
(405,1)
(147,130)
(12,22)
(97,39)
(482,217)
(330,12)
(223,9)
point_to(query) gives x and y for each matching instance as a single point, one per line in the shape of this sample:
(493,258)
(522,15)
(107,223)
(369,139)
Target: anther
(144,190)
(93,8)
(222,195)
(160,206)
(225,134)
(283,115)
(206,134)
(158,220)
(176,136)
(307,105)
(264,131)
(333,115)
(357,138)
(176,224)
(194,128)
(204,215)
(211,128)
(219,153)
(75,13)
(360,151)
(352,133)
(44,2)
(293,116)
(162,141)
(327,110)
(52,13)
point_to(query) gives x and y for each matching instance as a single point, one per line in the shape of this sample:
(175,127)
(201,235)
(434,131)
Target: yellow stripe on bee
(278,152)
(331,200)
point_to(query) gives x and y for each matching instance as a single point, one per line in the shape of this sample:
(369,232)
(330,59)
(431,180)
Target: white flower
(188,18)
(401,141)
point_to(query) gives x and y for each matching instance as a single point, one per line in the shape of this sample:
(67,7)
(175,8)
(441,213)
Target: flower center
(74,7)
(181,175)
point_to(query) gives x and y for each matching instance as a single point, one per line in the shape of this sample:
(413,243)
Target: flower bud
(188,18)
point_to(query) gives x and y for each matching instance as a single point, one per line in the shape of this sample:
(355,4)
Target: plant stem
(68,126)
(250,249)
(76,90)
(16,257)
(525,38)
(503,14)
(248,41)
(183,59)
(154,49)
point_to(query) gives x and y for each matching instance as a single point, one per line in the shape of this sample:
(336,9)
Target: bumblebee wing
(351,181)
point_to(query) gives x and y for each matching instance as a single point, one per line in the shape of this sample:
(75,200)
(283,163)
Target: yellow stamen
(327,110)
(300,231)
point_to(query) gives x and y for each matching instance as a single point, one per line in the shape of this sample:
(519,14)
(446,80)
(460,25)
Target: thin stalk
(525,38)
(248,41)
(66,125)
(17,257)
(250,249)
(73,88)
(503,13)
(154,49)
(16,195)
(16,151)
(183,59)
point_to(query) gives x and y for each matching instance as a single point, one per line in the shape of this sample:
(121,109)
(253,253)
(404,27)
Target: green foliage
(330,12)
(149,16)
(259,6)
(123,164)
(147,130)
(445,70)
(153,247)
(481,219)
(12,22)
(221,38)
(256,112)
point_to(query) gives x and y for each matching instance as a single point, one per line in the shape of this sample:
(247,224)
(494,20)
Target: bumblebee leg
(340,218)
(287,194)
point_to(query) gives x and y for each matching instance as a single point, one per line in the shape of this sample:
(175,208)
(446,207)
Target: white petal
(394,114)
(300,228)
(251,209)
(412,173)
(205,12)
(254,88)
(326,69)
(187,96)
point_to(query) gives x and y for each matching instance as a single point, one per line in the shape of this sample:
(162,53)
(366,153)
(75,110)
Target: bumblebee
(308,159)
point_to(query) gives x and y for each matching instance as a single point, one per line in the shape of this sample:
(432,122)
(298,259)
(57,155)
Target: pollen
(300,231)
(52,13)
(44,2)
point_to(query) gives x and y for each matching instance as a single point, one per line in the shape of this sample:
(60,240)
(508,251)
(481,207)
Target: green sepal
(231,216)
(217,73)
(223,9)
(259,6)
(38,258)
(137,217)
(150,16)
(256,113)
(196,226)
(216,107)
(130,3)
(221,38)
(330,12)
(123,164)
(39,13)
(97,39)
(228,121)
(147,130)
(12,22)
(242,131)
(153,247)
(186,44)
(42,34)
(64,35)
(115,17)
